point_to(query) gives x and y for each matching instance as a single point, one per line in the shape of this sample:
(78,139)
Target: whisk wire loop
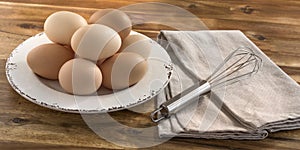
(241,63)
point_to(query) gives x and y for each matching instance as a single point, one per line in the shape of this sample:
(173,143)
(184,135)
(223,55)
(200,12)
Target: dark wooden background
(274,26)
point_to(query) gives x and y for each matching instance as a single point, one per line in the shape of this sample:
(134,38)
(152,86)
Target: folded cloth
(267,102)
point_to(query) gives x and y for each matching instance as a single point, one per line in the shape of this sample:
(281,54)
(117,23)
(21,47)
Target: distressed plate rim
(12,66)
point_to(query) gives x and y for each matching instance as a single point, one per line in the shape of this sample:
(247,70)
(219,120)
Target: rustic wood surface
(272,25)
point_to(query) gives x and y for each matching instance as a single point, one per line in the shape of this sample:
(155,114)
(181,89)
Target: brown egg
(60,26)
(95,42)
(137,43)
(46,60)
(123,70)
(79,76)
(113,18)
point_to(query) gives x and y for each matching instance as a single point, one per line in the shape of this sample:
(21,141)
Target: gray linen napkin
(267,102)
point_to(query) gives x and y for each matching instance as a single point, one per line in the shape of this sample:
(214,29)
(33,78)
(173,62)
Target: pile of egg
(86,55)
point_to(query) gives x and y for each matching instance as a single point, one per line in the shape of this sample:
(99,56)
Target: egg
(80,77)
(60,26)
(123,70)
(95,42)
(137,43)
(113,18)
(46,60)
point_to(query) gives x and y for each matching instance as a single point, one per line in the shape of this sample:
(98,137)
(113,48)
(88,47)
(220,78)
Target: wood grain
(272,25)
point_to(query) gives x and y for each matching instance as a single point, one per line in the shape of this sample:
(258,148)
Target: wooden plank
(254,10)
(26,145)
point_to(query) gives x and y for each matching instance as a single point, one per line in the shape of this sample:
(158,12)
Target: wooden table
(273,25)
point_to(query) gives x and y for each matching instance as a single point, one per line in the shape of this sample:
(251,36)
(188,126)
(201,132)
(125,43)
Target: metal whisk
(239,64)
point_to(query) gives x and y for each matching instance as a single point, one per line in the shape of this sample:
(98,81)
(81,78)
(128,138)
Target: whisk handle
(178,102)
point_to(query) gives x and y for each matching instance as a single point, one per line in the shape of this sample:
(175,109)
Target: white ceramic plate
(49,94)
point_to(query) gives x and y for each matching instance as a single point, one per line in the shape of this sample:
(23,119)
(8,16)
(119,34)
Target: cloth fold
(250,109)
